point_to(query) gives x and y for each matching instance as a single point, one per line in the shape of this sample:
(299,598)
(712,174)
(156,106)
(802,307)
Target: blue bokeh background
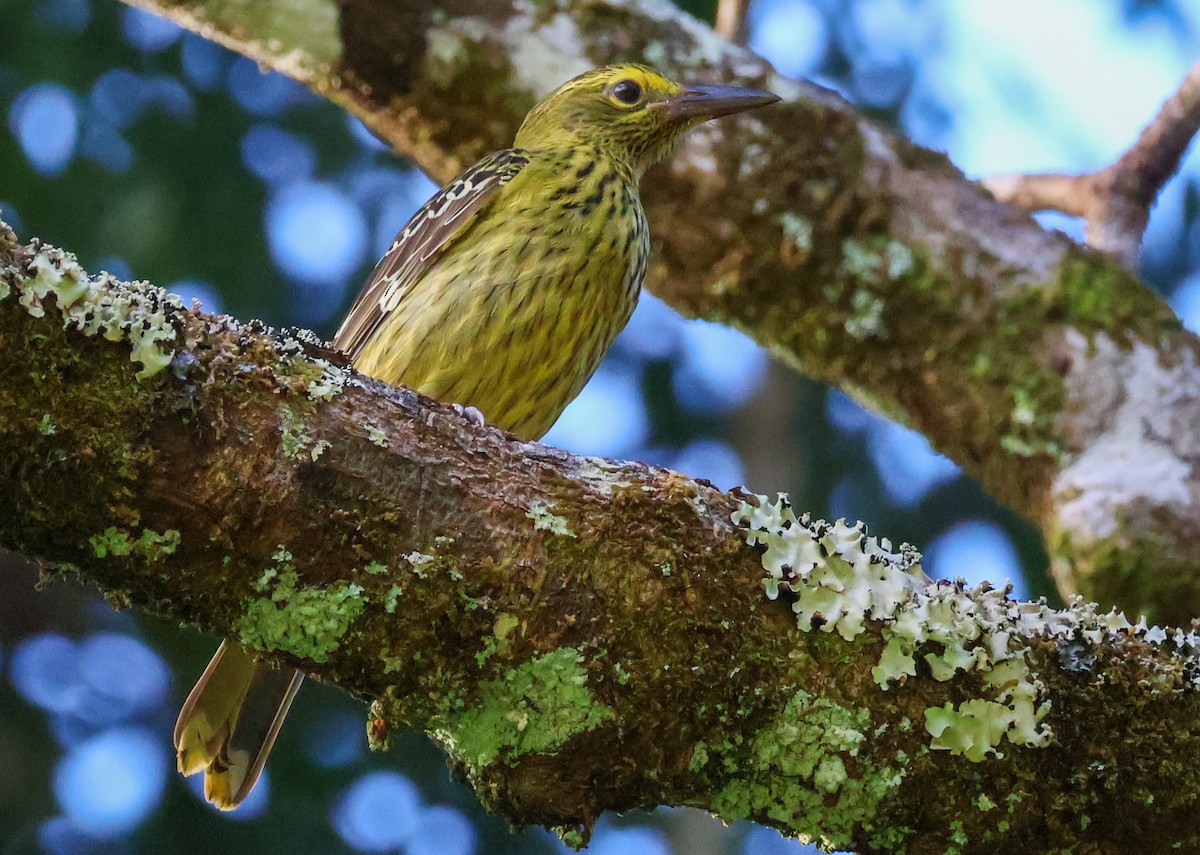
(155,154)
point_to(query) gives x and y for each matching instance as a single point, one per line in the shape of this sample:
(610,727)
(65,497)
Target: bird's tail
(230,720)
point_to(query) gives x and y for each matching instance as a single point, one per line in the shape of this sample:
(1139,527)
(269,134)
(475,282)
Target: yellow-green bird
(502,293)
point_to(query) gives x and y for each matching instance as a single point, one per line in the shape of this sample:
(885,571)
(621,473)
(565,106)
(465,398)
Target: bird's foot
(471,414)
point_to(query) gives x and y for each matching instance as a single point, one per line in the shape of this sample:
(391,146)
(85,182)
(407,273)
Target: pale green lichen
(1028,431)
(419,560)
(534,708)
(330,384)
(543,520)
(308,622)
(866,322)
(296,442)
(145,316)
(392,599)
(150,545)
(797,235)
(377,436)
(796,774)
(876,260)
(843,576)
(375,569)
(46,427)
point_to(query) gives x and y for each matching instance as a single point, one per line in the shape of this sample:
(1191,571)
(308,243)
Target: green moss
(306,622)
(150,545)
(304,29)
(534,708)
(804,772)
(1100,294)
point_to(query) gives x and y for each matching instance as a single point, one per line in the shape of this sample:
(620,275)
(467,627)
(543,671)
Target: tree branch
(731,20)
(845,250)
(1116,200)
(579,634)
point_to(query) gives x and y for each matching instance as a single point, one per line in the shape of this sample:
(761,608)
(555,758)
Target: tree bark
(1045,370)
(579,634)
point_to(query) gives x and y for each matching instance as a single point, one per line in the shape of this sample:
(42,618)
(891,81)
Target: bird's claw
(471,414)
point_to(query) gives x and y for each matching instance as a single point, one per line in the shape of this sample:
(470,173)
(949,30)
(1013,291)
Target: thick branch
(580,634)
(1116,200)
(848,252)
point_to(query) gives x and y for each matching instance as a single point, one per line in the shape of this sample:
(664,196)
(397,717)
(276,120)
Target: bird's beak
(709,102)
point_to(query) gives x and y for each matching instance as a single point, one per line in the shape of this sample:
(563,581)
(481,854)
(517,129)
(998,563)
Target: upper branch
(579,634)
(1116,200)
(844,249)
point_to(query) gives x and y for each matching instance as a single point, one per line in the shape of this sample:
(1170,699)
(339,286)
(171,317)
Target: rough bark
(580,634)
(848,252)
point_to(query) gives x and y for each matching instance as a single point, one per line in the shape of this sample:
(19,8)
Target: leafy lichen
(839,574)
(533,708)
(150,545)
(543,520)
(308,622)
(145,316)
(797,772)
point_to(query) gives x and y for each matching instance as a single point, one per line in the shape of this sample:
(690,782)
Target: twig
(1116,200)
(731,20)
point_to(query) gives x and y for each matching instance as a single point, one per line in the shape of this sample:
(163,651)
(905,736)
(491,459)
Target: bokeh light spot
(45,121)
(263,93)
(203,62)
(768,841)
(149,33)
(111,782)
(608,418)
(335,739)
(791,34)
(978,551)
(378,812)
(316,235)
(720,369)
(712,460)
(442,830)
(45,671)
(274,155)
(631,840)
(654,330)
(122,673)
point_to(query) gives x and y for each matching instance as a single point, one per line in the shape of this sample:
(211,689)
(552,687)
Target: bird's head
(630,112)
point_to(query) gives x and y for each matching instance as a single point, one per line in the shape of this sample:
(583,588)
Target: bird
(501,295)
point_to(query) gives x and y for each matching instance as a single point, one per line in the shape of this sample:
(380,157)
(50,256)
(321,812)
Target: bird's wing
(426,236)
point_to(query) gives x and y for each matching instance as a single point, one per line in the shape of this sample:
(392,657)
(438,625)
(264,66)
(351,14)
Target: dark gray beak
(709,102)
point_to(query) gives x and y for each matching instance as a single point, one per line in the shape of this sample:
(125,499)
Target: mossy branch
(579,634)
(850,253)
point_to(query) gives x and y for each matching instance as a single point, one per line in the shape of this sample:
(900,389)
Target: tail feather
(230,720)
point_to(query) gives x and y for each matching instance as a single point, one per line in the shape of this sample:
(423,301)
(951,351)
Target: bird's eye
(627,92)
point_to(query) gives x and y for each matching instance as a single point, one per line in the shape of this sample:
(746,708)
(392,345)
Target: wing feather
(442,219)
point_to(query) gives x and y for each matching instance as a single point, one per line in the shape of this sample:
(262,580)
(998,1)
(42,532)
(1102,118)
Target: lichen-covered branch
(579,634)
(847,251)
(1116,200)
